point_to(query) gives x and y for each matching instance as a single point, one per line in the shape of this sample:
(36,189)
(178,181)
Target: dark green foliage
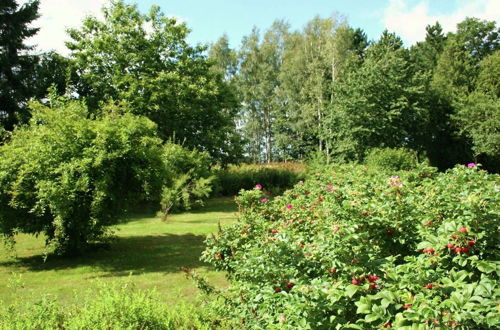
(392,159)
(156,74)
(377,105)
(479,114)
(327,88)
(457,67)
(51,71)
(464,86)
(426,53)
(70,177)
(16,67)
(479,120)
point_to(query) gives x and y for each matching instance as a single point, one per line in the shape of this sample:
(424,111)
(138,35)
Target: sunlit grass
(147,253)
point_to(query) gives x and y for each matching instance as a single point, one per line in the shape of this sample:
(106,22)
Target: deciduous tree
(145,62)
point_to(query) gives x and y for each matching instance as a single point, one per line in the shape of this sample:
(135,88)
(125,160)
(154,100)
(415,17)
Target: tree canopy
(143,62)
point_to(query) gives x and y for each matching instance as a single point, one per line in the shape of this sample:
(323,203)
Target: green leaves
(376,106)
(16,66)
(364,306)
(351,290)
(187,178)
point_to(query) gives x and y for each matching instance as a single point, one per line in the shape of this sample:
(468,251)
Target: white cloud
(58,15)
(409,22)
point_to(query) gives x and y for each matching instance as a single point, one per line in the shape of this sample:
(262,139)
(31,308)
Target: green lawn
(147,253)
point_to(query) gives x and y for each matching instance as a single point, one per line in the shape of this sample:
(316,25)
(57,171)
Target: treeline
(327,88)
(282,95)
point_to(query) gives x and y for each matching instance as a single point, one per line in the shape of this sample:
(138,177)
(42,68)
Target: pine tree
(16,65)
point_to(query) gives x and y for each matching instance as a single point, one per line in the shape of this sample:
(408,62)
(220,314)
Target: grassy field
(147,253)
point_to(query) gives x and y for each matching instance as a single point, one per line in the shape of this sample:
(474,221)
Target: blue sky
(209,19)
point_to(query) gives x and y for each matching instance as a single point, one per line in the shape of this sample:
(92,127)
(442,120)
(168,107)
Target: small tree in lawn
(188,179)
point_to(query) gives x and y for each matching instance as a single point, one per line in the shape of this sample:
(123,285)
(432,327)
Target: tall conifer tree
(15,64)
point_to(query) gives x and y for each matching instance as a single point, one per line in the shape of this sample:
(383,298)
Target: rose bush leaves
(365,248)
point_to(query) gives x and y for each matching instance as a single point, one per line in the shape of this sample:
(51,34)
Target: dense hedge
(277,176)
(395,159)
(358,248)
(69,176)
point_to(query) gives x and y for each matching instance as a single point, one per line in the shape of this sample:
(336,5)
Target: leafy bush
(395,159)
(276,176)
(120,308)
(45,314)
(358,248)
(109,307)
(69,176)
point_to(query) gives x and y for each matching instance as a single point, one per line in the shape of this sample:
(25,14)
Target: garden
(306,179)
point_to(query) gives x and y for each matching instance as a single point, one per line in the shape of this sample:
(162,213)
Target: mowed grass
(147,253)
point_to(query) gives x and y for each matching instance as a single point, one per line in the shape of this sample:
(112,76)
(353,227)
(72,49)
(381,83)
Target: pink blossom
(394,181)
(471,165)
(329,187)
(258,186)
(289,206)
(263,200)
(301,181)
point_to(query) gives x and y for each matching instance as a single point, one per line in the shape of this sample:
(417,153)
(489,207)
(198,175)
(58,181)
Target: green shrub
(70,177)
(44,314)
(120,308)
(275,177)
(353,247)
(392,159)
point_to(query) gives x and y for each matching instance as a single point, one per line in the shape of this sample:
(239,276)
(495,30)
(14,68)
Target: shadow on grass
(137,254)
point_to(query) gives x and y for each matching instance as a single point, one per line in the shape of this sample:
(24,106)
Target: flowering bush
(358,248)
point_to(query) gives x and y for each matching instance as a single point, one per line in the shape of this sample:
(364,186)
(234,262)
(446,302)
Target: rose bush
(357,248)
